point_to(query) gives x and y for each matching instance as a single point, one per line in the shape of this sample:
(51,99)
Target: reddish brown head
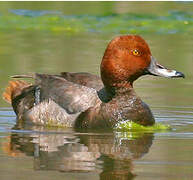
(125,59)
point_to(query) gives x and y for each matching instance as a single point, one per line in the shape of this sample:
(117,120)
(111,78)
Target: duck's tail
(24,76)
(14,89)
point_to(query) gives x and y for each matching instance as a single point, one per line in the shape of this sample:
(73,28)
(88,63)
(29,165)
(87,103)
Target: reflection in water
(108,154)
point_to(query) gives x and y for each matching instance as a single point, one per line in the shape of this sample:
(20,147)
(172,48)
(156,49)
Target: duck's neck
(119,90)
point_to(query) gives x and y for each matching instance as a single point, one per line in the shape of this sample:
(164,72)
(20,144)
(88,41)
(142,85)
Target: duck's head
(127,58)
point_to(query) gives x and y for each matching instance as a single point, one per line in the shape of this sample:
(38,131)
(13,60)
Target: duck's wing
(50,95)
(71,96)
(85,79)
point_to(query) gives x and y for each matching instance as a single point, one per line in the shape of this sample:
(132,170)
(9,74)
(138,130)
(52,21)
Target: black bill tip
(179,74)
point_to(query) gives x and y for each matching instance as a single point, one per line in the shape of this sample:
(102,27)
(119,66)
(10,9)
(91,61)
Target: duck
(86,101)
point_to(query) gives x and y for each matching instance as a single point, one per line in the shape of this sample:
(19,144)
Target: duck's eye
(135,52)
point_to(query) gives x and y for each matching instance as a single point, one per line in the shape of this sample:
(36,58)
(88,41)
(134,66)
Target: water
(48,153)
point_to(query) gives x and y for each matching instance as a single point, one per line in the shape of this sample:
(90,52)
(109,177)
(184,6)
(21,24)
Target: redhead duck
(83,100)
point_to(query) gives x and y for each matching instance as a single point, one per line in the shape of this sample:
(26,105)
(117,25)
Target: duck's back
(84,79)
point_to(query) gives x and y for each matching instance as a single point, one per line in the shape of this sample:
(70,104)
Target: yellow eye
(135,52)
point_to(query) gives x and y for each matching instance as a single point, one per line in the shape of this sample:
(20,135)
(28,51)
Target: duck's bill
(158,70)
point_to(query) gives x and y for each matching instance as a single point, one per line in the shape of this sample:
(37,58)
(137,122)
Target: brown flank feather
(14,89)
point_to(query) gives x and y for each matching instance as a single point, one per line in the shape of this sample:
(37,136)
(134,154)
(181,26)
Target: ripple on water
(180,119)
(7,119)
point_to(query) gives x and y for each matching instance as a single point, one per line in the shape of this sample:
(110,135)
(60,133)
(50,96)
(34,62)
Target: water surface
(47,153)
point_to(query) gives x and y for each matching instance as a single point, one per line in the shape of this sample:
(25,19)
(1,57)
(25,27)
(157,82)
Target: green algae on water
(131,126)
(173,22)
